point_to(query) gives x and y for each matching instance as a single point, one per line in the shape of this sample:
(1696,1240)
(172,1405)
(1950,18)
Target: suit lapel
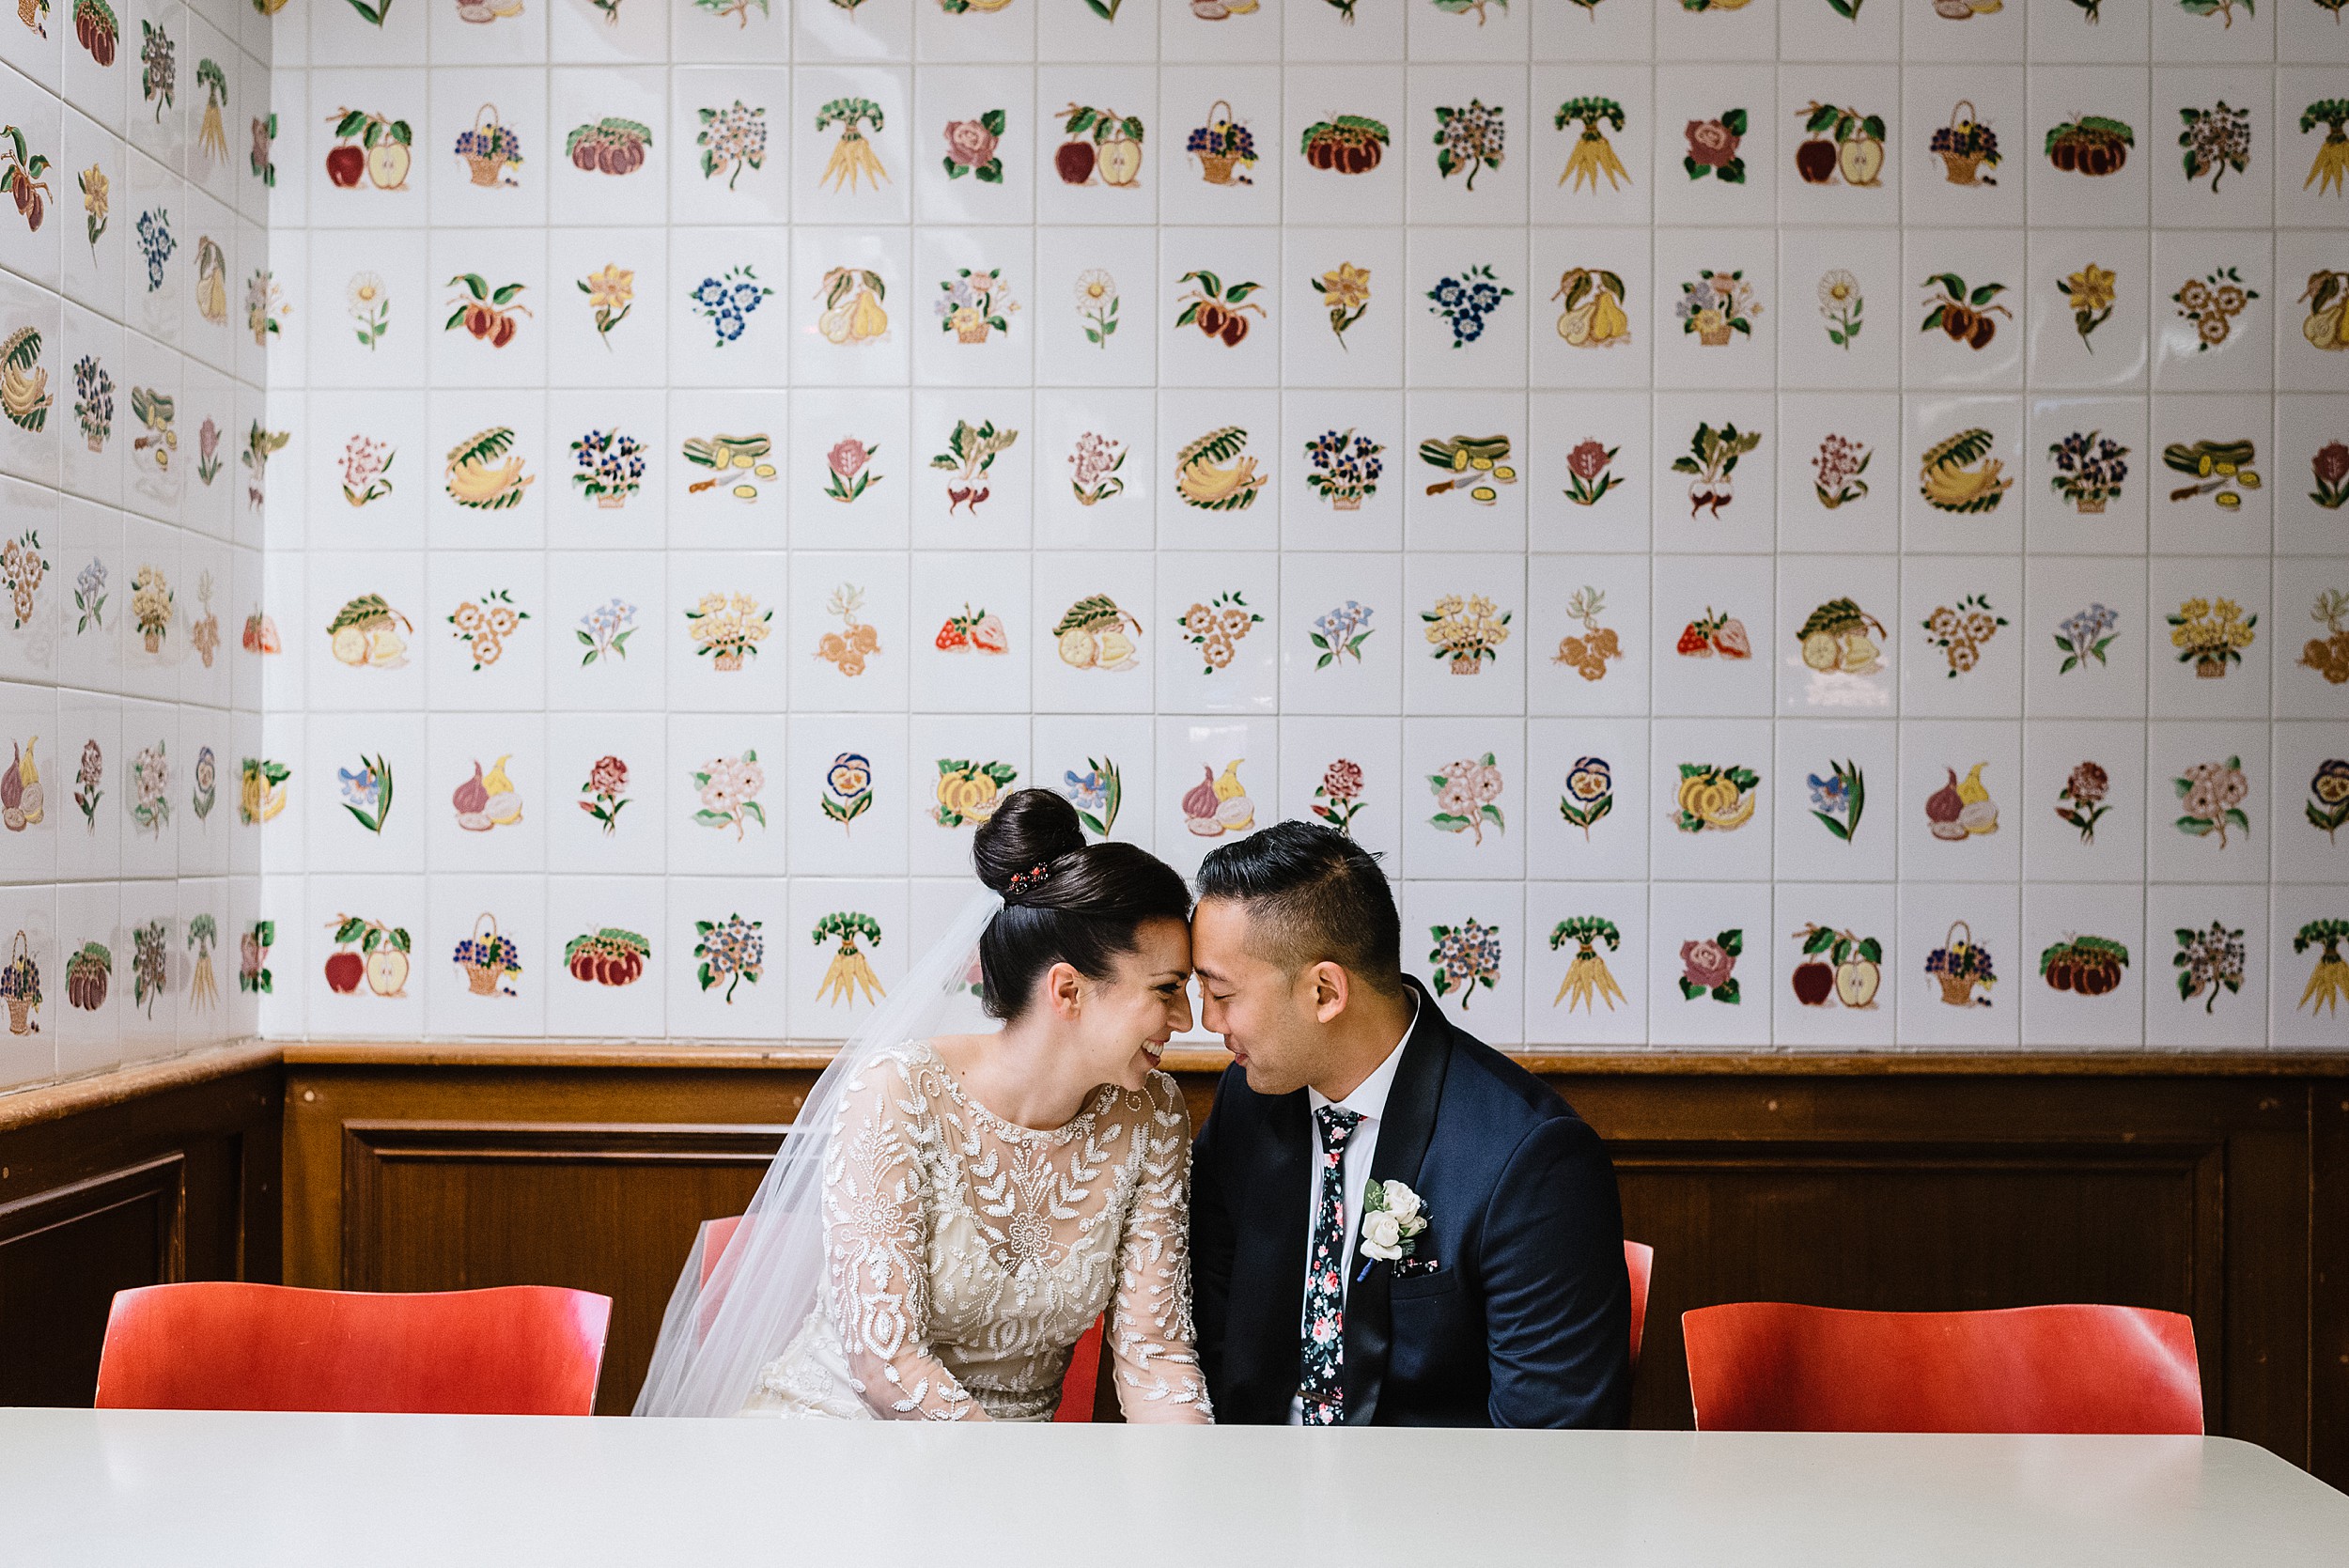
(1278,1248)
(1404,1133)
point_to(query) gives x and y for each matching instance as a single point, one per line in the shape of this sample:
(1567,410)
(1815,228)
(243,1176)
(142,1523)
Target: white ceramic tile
(1093,762)
(837,807)
(1588,475)
(1961,652)
(1457,801)
(1727,114)
(1140,467)
(1709,800)
(864,946)
(1587,788)
(732,977)
(1217,779)
(1590,631)
(1844,965)
(339,780)
(2094,474)
(1836,817)
(2089,964)
(2304,1000)
(1712,636)
(1466,942)
(1594,1001)
(1570,184)
(2205,788)
(1961,782)
(1835,164)
(485,958)
(373,919)
(2082,626)
(610,937)
(1967,932)
(1710,962)
(1349,774)
(721,786)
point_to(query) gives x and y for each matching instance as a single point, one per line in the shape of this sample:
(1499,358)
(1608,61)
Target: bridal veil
(718,1333)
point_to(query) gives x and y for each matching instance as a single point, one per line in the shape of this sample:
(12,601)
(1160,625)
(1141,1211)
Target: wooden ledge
(1190,1059)
(116,1085)
(550,1053)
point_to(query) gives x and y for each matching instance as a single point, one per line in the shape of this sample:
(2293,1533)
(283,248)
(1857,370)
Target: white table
(197,1489)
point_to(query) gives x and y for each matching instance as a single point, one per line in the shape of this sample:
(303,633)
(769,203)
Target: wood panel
(1900,1228)
(436,1178)
(2214,1187)
(2198,1188)
(1922,1193)
(2328,1281)
(150,1175)
(610,1207)
(64,1254)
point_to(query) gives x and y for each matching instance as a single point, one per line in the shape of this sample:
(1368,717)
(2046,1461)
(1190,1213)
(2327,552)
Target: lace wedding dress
(965,1256)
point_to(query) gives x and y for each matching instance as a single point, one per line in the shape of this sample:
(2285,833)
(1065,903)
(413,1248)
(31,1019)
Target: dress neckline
(1009,1129)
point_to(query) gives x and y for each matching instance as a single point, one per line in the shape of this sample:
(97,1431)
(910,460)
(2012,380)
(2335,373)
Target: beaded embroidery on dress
(966,1256)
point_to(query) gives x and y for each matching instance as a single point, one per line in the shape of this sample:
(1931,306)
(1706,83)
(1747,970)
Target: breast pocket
(1421,1287)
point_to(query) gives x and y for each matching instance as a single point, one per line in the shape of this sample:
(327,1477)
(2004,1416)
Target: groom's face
(1270,1019)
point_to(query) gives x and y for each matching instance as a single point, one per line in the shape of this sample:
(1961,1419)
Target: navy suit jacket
(1525,1321)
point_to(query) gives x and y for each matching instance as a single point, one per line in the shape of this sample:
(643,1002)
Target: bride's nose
(1178,1012)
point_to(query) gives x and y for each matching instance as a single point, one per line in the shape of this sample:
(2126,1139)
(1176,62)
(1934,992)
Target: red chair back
(715,1233)
(1767,1366)
(1638,1261)
(1077,1389)
(522,1350)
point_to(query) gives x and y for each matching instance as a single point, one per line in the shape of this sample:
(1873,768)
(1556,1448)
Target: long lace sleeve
(1151,1339)
(877,1234)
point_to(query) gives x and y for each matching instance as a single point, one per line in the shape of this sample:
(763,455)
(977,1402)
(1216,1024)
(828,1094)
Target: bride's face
(1128,1018)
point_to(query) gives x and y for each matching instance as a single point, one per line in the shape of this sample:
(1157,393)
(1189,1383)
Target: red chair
(1766,1366)
(1638,1261)
(522,1350)
(714,1236)
(1084,1382)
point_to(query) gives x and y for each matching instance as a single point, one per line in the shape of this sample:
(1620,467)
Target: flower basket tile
(490,149)
(1225,150)
(486,958)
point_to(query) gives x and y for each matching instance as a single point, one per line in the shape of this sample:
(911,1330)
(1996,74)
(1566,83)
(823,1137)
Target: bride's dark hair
(1065,900)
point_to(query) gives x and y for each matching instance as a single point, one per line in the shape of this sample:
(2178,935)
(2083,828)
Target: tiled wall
(135,304)
(1691,616)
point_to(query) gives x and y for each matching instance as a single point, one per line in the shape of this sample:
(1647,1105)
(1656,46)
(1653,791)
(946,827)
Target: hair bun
(1032,827)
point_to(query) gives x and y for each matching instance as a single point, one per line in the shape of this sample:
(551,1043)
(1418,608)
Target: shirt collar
(1369,1099)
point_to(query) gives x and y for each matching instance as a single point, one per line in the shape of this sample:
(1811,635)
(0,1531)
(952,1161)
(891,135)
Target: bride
(980,1199)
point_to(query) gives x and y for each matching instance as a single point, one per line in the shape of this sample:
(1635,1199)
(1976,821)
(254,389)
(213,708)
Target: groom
(1509,1306)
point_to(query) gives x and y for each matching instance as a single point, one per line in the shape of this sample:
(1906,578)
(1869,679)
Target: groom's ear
(1332,988)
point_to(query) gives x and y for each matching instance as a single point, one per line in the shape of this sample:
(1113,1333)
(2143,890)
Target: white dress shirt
(1368,1101)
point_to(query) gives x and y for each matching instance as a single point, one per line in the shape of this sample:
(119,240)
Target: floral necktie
(1321,1385)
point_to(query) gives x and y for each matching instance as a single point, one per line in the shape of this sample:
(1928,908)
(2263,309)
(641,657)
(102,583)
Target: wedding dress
(968,1255)
(909,1255)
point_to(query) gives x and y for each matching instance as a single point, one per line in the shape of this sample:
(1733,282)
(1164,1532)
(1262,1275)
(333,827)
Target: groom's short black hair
(1313,895)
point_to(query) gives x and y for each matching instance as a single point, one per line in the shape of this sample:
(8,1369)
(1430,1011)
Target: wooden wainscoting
(143,1176)
(1921,1191)
(510,1170)
(2218,1188)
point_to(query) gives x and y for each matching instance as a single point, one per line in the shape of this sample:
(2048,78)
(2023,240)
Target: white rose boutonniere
(1392,1218)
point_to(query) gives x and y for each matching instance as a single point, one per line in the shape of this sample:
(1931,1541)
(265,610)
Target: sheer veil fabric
(716,1337)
